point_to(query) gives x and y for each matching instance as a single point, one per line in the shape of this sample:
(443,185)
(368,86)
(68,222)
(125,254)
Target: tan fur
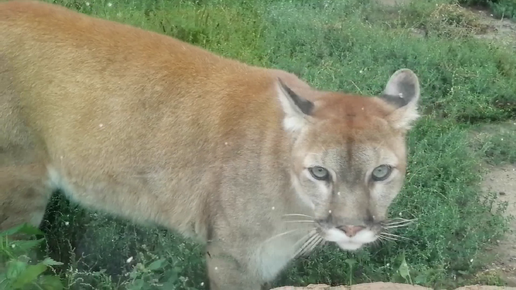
(155,130)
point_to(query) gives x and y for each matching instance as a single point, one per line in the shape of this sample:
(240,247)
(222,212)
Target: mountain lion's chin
(350,246)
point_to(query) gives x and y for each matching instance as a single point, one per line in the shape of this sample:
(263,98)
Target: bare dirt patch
(502,31)
(502,181)
(476,21)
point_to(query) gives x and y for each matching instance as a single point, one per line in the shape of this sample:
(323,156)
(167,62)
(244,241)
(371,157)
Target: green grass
(335,45)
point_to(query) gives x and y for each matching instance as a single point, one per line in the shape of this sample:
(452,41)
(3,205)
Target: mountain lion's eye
(381,172)
(319,173)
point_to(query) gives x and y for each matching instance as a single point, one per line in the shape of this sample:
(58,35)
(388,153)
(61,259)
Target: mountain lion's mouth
(353,238)
(348,238)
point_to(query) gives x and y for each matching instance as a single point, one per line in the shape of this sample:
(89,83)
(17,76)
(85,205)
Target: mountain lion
(251,161)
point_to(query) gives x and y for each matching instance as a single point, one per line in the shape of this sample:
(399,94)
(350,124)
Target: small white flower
(129,260)
(202,284)
(67,223)
(110,4)
(87,3)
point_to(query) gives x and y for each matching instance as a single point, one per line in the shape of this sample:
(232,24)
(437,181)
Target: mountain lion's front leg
(23,195)
(226,271)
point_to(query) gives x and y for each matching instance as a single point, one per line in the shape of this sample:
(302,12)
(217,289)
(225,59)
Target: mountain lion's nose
(351,231)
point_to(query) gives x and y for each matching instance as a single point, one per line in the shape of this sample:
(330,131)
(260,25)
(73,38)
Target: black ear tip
(303,104)
(282,84)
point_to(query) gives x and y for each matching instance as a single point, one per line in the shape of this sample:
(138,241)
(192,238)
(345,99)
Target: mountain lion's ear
(295,107)
(402,91)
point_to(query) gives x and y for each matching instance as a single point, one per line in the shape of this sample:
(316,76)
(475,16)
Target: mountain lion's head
(349,156)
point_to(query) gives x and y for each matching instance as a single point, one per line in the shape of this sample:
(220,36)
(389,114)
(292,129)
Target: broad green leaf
(50,262)
(156,264)
(4,282)
(21,229)
(30,275)
(172,280)
(404,269)
(137,285)
(48,282)
(350,262)
(15,268)
(24,245)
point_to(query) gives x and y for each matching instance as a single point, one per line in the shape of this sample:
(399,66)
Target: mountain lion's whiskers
(397,223)
(384,238)
(304,238)
(300,221)
(392,237)
(282,234)
(394,224)
(298,215)
(313,241)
